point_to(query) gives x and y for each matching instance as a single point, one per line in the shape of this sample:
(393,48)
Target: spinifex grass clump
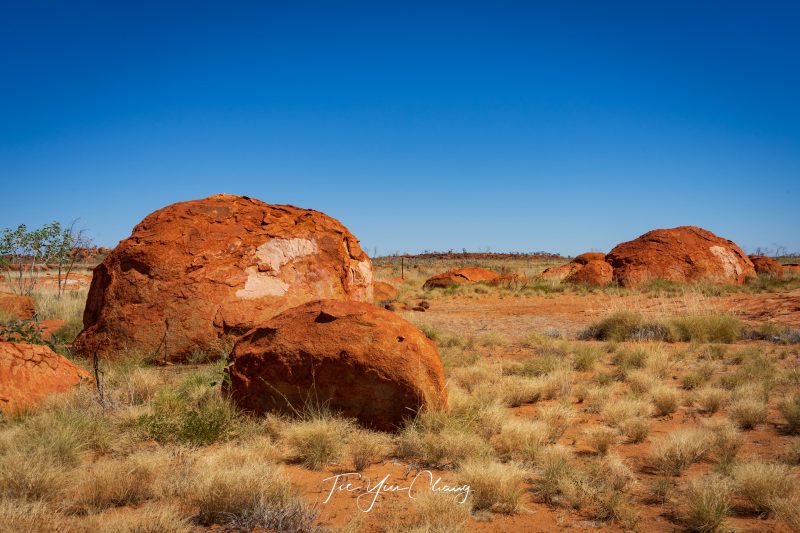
(633,326)
(628,326)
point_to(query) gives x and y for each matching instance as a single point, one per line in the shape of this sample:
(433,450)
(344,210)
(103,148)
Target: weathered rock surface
(596,273)
(572,271)
(360,360)
(766,266)
(194,271)
(561,272)
(459,276)
(383,292)
(584,258)
(16,306)
(509,279)
(682,254)
(31,372)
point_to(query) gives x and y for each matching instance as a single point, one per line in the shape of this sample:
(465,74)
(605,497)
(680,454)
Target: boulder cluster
(293,287)
(195,271)
(685,254)
(295,290)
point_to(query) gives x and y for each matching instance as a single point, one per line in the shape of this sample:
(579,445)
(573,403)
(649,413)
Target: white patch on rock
(730,262)
(260,284)
(262,279)
(278,252)
(363,274)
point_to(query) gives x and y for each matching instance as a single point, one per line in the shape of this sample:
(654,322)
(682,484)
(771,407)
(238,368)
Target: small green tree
(24,252)
(65,248)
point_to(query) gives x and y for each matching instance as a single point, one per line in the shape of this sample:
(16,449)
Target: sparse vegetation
(534,419)
(494,486)
(707,503)
(762,484)
(633,326)
(678,450)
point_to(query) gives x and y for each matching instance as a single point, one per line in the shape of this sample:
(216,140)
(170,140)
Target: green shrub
(29,331)
(707,328)
(200,419)
(790,409)
(627,325)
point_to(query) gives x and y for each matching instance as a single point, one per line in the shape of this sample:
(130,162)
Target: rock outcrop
(457,276)
(31,372)
(357,359)
(682,254)
(383,292)
(767,266)
(16,306)
(793,268)
(195,271)
(598,273)
(595,273)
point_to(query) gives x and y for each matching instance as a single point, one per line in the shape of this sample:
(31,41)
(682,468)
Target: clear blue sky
(563,126)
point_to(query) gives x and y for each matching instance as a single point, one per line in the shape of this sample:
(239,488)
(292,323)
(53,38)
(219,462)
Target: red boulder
(195,271)
(457,276)
(31,372)
(766,266)
(357,359)
(683,254)
(596,273)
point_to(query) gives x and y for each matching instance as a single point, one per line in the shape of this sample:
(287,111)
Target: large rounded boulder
(195,271)
(354,358)
(595,273)
(384,292)
(598,273)
(767,266)
(31,372)
(682,254)
(459,276)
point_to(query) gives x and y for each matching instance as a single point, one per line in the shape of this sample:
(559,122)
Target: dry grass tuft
(762,484)
(679,449)
(519,390)
(623,409)
(637,429)
(493,486)
(558,417)
(748,411)
(318,442)
(33,476)
(712,399)
(726,440)
(521,440)
(118,482)
(707,503)
(601,438)
(790,409)
(431,513)
(149,518)
(235,483)
(665,399)
(18,515)
(367,447)
(555,385)
(553,472)
(641,381)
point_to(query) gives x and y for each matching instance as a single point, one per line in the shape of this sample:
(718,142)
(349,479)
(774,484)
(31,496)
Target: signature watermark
(369,491)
